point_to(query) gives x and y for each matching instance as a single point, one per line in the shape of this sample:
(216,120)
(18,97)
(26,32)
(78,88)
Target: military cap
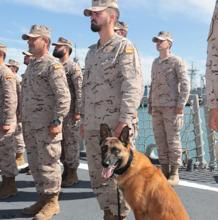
(63,42)
(100,5)
(3,48)
(13,63)
(38,31)
(162,35)
(26,53)
(121,26)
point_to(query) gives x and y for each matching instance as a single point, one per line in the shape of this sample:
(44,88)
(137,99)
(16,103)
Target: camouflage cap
(27,53)
(3,48)
(38,31)
(120,25)
(13,63)
(100,5)
(63,42)
(162,35)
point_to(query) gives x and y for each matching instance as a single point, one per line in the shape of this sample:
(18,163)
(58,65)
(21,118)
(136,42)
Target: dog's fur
(143,185)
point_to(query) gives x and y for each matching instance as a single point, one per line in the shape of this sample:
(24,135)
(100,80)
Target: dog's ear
(124,136)
(104,132)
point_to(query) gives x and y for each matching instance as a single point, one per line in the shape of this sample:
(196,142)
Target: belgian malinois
(143,185)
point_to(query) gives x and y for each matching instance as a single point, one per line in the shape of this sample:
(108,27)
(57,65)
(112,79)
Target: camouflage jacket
(112,85)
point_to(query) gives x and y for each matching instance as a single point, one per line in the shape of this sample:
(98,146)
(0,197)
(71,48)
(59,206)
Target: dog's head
(114,151)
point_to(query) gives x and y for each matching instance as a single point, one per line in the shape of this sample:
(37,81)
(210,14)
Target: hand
(119,129)
(6,128)
(82,131)
(179,111)
(55,130)
(213,119)
(76,116)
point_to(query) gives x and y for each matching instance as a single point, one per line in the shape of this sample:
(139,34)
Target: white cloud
(197,9)
(62,6)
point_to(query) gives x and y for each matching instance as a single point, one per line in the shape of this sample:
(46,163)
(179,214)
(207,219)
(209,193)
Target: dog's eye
(114,150)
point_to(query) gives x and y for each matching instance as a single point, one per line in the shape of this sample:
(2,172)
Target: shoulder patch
(129,50)
(57,66)
(8,77)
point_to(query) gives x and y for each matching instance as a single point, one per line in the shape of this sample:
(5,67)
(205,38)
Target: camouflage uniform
(45,97)
(112,92)
(169,90)
(19,131)
(8,106)
(212,67)
(71,136)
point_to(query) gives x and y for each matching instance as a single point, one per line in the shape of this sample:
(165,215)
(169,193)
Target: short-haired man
(45,103)
(111,95)
(8,107)
(168,95)
(20,145)
(71,137)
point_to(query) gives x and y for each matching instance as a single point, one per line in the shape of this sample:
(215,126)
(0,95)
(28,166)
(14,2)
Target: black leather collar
(124,169)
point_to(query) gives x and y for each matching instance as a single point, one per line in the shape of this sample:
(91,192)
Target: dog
(143,185)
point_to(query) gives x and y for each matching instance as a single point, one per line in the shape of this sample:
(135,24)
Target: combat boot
(50,208)
(8,187)
(71,178)
(174,175)
(165,170)
(36,207)
(20,161)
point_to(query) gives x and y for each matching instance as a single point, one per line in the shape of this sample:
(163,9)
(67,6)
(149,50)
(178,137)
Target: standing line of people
(56,99)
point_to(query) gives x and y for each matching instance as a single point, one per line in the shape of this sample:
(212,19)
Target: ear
(104,132)
(124,136)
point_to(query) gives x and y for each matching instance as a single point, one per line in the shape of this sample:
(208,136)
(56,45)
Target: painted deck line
(185,183)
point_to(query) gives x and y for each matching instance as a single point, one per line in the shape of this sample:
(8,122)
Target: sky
(187,20)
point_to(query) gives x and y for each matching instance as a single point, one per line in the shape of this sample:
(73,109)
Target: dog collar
(123,169)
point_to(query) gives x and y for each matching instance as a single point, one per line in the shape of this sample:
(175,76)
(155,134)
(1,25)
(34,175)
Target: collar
(124,169)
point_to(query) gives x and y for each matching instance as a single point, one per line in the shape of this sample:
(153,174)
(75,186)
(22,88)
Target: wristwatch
(56,121)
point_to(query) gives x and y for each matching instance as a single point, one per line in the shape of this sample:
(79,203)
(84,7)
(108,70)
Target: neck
(64,58)
(122,170)
(106,34)
(164,54)
(41,53)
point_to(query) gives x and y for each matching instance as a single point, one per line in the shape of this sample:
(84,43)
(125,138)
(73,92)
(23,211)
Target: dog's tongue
(107,172)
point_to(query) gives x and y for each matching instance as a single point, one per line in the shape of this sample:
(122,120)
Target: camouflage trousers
(70,143)
(19,141)
(105,190)
(166,126)
(8,165)
(43,154)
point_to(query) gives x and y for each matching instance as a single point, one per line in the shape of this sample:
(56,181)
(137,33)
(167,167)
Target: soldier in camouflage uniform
(211,71)
(8,107)
(45,103)
(71,137)
(168,95)
(111,95)
(20,145)
(121,28)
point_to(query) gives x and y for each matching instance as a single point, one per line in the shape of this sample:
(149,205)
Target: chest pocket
(108,67)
